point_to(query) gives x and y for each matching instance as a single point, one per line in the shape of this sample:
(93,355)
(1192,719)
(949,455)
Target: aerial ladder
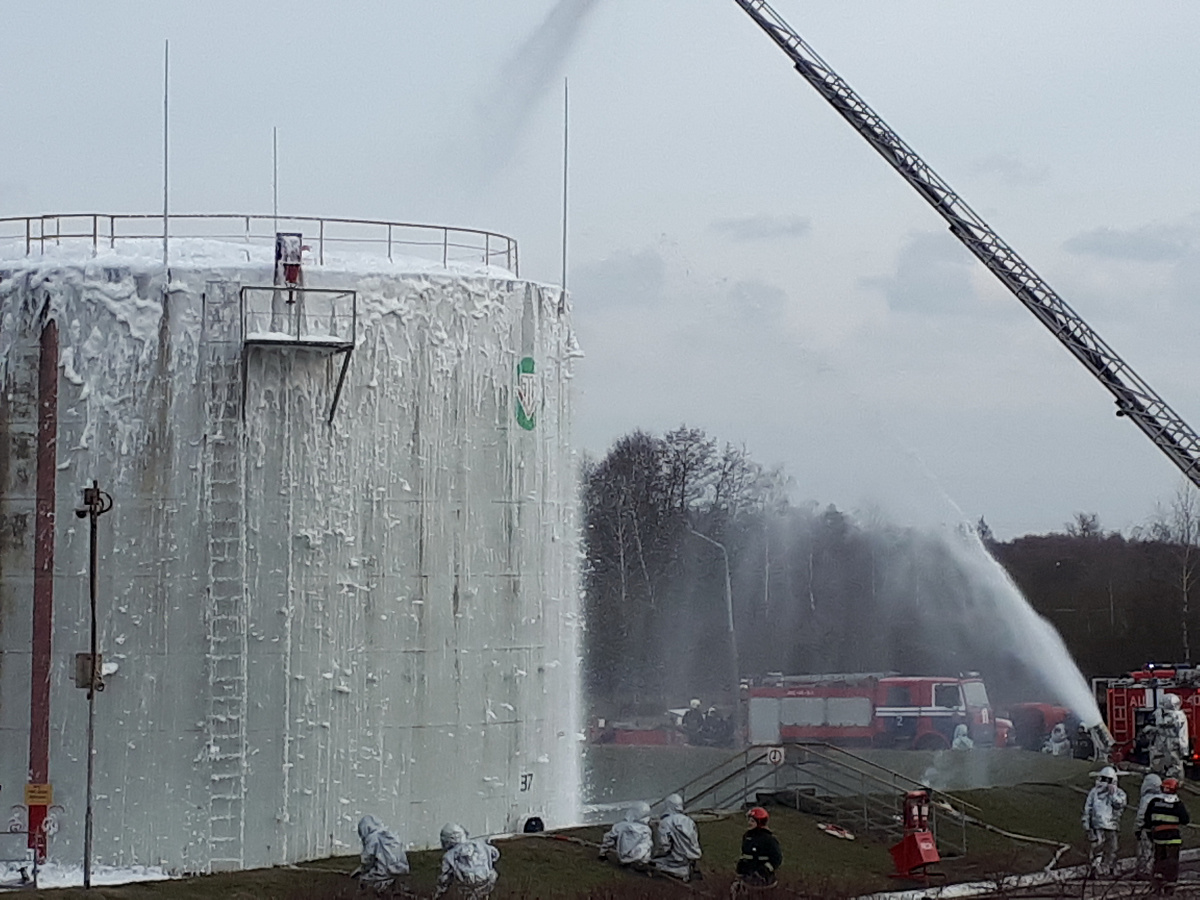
(1135,398)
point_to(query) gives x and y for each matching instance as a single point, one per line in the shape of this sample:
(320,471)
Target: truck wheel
(931,741)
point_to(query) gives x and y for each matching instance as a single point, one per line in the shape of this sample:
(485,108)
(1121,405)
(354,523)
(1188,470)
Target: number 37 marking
(526,781)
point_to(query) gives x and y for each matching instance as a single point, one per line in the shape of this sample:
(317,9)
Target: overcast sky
(740,259)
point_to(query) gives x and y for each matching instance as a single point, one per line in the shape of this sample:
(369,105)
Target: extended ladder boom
(1135,398)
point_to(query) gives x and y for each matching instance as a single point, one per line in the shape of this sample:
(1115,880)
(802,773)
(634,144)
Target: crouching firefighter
(631,839)
(468,866)
(383,864)
(761,856)
(677,845)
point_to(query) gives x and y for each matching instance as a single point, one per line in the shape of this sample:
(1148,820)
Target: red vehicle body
(1130,702)
(1032,722)
(634,734)
(902,711)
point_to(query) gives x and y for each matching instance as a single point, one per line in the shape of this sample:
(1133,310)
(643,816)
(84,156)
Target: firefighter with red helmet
(761,856)
(1165,816)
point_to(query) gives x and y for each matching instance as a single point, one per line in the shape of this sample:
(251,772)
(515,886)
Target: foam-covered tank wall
(308,621)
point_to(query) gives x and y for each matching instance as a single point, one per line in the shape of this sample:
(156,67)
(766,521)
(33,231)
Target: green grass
(562,865)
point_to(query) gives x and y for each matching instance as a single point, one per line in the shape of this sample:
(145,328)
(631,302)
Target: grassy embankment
(816,865)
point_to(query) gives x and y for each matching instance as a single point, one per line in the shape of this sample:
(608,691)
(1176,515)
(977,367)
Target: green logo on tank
(527,394)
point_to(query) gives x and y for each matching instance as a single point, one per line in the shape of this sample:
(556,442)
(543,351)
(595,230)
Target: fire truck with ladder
(1135,398)
(906,712)
(1132,699)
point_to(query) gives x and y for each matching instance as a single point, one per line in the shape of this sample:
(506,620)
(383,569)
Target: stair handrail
(740,754)
(912,782)
(837,756)
(745,788)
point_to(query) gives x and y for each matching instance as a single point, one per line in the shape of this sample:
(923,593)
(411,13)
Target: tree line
(683,533)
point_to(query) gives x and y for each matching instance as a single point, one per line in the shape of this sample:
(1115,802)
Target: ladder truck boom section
(1135,398)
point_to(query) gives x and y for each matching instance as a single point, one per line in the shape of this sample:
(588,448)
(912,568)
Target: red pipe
(43,580)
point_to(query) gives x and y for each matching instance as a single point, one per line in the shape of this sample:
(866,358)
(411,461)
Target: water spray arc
(1135,398)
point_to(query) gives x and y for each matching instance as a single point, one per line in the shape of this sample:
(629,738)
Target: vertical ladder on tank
(225,613)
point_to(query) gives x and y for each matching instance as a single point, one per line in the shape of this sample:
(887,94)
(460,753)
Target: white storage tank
(340,572)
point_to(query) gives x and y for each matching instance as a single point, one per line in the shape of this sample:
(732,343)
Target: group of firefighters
(671,848)
(706,729)
(1160,813)
(468,866)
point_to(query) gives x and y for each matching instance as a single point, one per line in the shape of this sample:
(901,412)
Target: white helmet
(1108,773)
(638,812)
(452,835)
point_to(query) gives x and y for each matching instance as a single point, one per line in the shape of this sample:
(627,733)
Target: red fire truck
(879,710)
(1130,702)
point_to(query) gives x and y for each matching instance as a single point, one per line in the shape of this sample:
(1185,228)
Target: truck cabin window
(899,695)
(947,696)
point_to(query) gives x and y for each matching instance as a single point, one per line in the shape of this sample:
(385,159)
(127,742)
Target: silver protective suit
(962,740)
(383,858)
(1169,744)
(1101,819)
(1151,788)
(468,866)
(630,838)
(1059,742)
(677,842)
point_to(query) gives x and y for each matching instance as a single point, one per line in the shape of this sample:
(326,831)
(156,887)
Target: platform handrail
(445,242)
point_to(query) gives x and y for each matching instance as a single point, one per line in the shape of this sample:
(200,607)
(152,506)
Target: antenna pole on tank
(566,122)
(166,111)
(275,177)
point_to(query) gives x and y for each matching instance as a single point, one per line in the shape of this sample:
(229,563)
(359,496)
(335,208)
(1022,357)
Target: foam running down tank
(341,560)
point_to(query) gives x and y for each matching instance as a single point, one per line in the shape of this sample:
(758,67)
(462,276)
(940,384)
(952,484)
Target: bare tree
(691,456)
(1179,526)
(1085,525)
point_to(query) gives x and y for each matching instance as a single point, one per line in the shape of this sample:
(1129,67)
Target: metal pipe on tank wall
(95,504)
(43,581)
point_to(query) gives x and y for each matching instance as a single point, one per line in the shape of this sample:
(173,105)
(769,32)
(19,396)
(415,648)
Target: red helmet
(1170,785)
(759,815)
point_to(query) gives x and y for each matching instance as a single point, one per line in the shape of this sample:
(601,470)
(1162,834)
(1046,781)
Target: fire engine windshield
(975,693)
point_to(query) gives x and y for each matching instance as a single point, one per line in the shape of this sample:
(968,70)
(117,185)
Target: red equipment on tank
(917,849)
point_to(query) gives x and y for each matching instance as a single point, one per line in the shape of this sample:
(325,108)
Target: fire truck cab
(1130,702)
(880,710)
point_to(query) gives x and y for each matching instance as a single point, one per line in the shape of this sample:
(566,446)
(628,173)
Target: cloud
(625,279)
(763,227)
(933,274)
(1150,243)
(1011,170)
(756,302)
